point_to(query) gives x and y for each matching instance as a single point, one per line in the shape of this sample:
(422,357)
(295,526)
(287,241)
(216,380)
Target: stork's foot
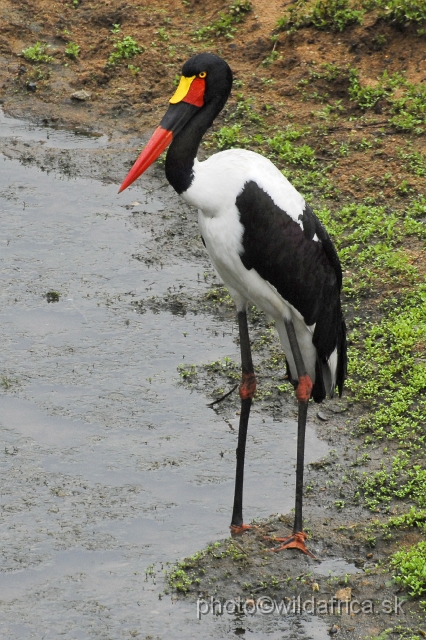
(237,530)
(295,541)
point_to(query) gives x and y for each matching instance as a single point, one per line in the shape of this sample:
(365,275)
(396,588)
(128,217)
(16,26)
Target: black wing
(305,272)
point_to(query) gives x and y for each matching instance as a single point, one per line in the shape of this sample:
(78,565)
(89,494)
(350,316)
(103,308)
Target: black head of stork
(203,90)
(267,246)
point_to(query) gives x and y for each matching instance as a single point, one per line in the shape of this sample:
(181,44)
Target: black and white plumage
(265,243)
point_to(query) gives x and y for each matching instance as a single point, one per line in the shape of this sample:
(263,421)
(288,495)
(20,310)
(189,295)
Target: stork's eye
(202,74)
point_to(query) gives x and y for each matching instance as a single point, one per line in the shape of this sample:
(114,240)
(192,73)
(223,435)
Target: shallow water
(108,464)
(58,138)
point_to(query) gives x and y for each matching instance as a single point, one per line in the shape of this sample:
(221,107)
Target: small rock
(322,416)
(81,95)
(338,409)
(334,629)
(32,86)
(344,594)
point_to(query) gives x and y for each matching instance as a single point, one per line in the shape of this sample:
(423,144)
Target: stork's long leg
(247,391)
(301,421)
(303,393)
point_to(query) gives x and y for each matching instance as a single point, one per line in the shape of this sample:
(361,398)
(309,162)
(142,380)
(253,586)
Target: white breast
(220,179)
(217,183)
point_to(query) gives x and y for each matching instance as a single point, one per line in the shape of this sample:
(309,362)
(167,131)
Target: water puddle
(50,137)
(336,567)
(108,465)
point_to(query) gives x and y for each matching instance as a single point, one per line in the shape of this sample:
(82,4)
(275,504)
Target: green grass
(415,162)
(226,367)
(124,49)
(52,296)
(187,371)
(410,566)
(225,25)
(72,50)
(37,53)
(402,102)
(185,574)
(326,15)
(400,12)
(337,15)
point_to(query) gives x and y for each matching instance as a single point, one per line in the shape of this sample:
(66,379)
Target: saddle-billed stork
(267,246)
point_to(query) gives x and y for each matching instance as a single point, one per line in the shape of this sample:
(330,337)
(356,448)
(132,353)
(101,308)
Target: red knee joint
(248,386)
(304,389)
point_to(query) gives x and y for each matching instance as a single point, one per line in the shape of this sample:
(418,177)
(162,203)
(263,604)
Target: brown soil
(129,101)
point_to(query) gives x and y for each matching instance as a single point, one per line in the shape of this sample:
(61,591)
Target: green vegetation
(72,50)
(337,15)
(402,102)
(415,162)
(7,382)
(410,565)
(284,150)
(187,372)
(327,15)
(399,11)
(227,367)
(124,49)
(37,53)
(186,573)
(414,518)
(224,26)
(52,296)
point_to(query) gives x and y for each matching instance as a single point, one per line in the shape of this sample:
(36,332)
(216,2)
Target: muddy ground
(125,104)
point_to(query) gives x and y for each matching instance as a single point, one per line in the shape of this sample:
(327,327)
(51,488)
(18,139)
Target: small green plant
(162,34)
(225,25)
(72,50)
(179,579)
(6,382)
(245,110)
(226,367)
(52,296)
(270,58)
(286,151)
(382,636)
(379,41)
(230,137)
(37,53)
(410,565)
(124,50)
(366,96)
(187,371)
(133,70)
(414,162)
